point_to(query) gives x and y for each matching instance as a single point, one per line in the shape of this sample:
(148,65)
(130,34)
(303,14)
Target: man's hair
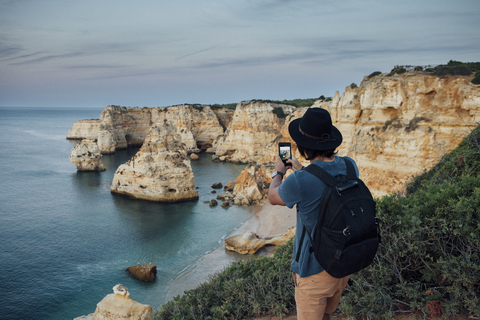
(310,154)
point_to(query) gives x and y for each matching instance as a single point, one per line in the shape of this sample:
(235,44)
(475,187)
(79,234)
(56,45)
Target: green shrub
(456,68)
(227,106)
(429,260)
(262,286)
(476,79)
(398,70)
(278,111)
(373,74)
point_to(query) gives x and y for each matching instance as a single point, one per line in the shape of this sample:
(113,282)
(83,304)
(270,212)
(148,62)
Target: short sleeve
(289,191)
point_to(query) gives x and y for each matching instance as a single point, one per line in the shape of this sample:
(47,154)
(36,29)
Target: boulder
(213,203)
(229,186)
(118,306)
(194,156)
(226,204)
(217,185)
(143,272)
(249,242)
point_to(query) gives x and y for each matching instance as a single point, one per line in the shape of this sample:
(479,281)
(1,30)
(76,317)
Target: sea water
(65,240)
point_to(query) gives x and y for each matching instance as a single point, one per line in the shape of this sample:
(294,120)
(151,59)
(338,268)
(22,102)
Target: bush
(262,286)
(456,68)
(278,111)
(398,70)
(373,74)
(476,79)
(429,259)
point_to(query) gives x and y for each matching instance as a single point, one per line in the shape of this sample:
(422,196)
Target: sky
(151,53)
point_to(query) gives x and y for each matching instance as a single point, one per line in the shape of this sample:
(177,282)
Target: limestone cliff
(255,126)
(160,171)
(87,157)
(393,126)
(120,127)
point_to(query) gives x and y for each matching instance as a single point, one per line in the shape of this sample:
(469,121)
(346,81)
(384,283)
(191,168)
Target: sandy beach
(267,220)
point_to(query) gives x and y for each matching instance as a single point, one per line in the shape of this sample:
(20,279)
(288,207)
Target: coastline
(267,220)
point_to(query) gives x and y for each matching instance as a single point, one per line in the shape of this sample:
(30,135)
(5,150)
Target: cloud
(50,57)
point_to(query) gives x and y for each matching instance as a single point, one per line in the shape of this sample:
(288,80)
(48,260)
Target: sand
(267,221)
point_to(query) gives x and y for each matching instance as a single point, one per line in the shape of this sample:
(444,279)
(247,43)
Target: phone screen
(285,152)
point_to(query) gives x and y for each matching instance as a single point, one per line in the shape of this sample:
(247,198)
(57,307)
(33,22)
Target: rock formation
(87,156)
(84,129)
(160,171)
(143,272)
(255,126)
(249,243)
(120,127)
(118,305)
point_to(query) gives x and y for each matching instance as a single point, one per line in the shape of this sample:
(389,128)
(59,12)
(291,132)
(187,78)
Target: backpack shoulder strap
(351,174)
(322,174)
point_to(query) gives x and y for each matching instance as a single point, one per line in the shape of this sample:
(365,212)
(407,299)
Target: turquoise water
(65,240)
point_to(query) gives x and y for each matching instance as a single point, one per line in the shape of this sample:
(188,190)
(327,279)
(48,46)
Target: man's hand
(296,165)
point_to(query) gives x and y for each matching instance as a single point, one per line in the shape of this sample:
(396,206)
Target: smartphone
(285,152)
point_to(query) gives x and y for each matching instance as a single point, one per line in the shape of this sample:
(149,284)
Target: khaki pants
(317,295)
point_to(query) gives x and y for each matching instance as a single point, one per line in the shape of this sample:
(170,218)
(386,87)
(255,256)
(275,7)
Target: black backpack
(346,236)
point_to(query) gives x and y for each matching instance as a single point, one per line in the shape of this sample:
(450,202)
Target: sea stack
(87,156)
(160,171)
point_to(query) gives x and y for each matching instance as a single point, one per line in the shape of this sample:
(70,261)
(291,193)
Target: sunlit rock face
(87,156)
(254,126)
(394,127)
(160,171)
(121,127)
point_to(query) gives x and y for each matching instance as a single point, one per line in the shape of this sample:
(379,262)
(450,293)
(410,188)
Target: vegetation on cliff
(256,287)
(454,68)
(428,262)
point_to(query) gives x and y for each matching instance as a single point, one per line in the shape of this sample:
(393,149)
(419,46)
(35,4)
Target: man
(316,292)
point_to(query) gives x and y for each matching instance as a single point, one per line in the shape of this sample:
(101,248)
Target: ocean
(65,240)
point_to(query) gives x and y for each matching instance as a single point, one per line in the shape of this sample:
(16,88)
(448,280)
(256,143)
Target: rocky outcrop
(87,156)
(84,129)
(160,171)
(143,272)
(255,126)
(121,127)
(249,242)
(118,305)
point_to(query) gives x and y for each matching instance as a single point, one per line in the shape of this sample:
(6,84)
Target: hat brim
(332,143)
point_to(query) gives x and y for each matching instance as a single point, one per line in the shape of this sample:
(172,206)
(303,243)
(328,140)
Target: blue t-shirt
(303,189)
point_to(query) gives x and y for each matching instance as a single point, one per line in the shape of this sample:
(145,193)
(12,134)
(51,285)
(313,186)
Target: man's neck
(324,159)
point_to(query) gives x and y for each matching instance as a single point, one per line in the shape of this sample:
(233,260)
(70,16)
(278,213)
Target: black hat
(315,130)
